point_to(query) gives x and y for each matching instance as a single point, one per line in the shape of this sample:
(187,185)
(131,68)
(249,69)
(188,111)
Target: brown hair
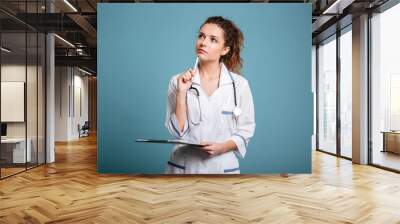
(233,39)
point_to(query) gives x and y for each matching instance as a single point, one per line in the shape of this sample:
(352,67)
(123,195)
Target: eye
(213,39)
(201,35)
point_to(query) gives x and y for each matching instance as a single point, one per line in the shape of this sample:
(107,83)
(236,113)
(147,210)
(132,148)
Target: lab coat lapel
(225,76)
(196,78)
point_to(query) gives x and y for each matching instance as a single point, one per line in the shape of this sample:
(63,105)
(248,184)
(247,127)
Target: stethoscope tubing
(234,97)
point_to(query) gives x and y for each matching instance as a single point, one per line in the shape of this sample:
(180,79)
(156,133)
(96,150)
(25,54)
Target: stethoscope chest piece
(237,111)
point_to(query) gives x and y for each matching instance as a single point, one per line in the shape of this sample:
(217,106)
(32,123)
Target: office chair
(84,130)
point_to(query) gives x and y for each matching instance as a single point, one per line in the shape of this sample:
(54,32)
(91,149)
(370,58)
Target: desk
(15,148)
(391,141)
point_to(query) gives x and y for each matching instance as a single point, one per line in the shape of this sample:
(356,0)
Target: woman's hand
(185,81)
(213,149)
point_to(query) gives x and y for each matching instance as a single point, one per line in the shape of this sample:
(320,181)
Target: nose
(203,42)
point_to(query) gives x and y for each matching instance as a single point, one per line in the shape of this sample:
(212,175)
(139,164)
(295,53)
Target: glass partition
(31,100)
(22,88)
(14,153)
(327,95)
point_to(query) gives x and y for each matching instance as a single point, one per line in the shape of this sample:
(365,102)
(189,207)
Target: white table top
(13,140)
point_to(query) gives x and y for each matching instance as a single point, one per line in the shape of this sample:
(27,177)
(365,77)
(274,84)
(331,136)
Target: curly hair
(233,39)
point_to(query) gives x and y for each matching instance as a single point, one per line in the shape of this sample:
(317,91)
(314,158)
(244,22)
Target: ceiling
(76,22)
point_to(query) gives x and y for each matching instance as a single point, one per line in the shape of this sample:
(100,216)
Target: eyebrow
(210,35)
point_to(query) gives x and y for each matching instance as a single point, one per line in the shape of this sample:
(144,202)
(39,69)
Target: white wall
(70,83)
(62,81)
(15,72)
(9,73)
(79,112)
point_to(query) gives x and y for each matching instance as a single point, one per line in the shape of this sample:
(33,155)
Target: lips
(200,51)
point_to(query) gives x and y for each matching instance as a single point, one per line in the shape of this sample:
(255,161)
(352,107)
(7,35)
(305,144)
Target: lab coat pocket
(227,118)
(193,108)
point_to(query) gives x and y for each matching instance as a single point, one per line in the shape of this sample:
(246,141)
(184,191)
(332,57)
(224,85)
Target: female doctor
(211,104)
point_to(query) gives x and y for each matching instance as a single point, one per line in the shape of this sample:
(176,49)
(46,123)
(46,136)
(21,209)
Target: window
(385,88)
(346,92)
(327,95)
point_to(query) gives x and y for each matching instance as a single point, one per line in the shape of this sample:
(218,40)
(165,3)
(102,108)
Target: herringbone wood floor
(70,191)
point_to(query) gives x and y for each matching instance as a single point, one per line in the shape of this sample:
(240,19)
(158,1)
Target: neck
(210,70)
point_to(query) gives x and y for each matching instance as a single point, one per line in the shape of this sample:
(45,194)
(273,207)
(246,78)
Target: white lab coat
(218,125)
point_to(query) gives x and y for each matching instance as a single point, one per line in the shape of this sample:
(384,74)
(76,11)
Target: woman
(211,105)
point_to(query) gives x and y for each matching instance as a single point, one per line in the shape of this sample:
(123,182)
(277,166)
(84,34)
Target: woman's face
(210,44)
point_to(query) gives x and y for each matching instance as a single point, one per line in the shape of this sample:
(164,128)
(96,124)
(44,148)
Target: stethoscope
(236,111)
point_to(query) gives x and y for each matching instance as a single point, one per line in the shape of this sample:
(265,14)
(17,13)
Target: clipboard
(168,141)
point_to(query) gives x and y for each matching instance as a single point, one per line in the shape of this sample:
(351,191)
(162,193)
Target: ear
(225,50)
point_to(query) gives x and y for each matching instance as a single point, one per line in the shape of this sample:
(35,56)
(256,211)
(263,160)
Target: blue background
(140,46)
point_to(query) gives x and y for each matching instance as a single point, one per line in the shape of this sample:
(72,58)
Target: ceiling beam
(86,26)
